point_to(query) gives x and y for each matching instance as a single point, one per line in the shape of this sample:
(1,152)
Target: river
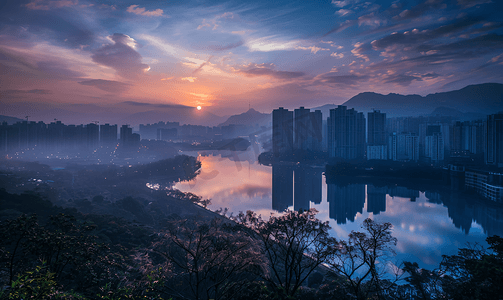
(427,224)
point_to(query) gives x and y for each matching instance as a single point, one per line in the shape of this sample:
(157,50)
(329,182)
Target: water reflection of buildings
(282,187)
(307,187)
(403,192)
(297,186)
(464,212)
(376,199)
(345,201)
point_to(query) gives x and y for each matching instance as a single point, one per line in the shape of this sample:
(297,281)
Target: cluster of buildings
(59,136)
(348,135)
(171,131)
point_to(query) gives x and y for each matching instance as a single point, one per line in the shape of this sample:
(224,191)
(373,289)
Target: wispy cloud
(107,85)
(254,70)
(142,11)
(50,4)
(313,49)
(270,43)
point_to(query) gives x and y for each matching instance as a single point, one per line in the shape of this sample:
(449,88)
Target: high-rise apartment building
(307,129)
(127,137)
(434,144)
(468,137)
(376,136)
(376,128)
(494,140)
(108,134)
(346,133)
(282,131)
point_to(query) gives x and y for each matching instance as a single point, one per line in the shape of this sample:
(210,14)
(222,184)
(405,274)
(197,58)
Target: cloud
(270,43)
(428,39)
(426,57)
(254,70)
(135,9)
(110,86)
(344,12)
(34,91)
(121,56)
(371,20)
(401,79)
(210,24)
(338,55)
(57,69)
(225,47)
(215,22)
(313,49)
(341,80)
(430,75)
(343,3)
(202,65)
(50,4)
(359,50)
(341,27)
(420,9)
(189,79)
(471,3)
(146,104)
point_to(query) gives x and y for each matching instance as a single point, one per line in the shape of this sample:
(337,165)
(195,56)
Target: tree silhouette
(364,258)
(295,245)
(209,260)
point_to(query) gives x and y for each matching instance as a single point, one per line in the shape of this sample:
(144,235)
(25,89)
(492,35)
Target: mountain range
(483,99)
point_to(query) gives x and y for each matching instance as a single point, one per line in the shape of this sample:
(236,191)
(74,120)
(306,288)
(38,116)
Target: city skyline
(228,56)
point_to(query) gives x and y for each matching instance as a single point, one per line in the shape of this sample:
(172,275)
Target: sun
(199,108)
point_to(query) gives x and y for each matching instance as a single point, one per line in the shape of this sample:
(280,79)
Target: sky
(227,56)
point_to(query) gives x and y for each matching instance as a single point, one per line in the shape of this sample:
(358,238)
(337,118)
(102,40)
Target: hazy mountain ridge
(249,118)
(482,99)
(9,120)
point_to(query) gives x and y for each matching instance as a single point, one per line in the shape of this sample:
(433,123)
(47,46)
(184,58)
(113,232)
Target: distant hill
(249,118)
(451,112)
(477,99)
(325,109)
(184,115)
(9,120)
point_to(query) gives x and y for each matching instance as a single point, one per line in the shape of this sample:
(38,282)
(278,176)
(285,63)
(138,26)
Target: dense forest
(49,252)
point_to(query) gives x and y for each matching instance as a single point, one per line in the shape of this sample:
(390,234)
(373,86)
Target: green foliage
(35,284)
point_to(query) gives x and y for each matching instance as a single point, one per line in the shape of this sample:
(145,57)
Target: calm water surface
(426,224)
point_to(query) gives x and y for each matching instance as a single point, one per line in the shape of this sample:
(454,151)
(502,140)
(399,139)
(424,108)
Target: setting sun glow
(199,108)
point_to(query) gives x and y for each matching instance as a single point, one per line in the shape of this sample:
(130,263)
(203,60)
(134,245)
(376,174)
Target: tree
(475,272)
(15,236)
(295,245)
(426,283)
(363,259)
(209,260)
